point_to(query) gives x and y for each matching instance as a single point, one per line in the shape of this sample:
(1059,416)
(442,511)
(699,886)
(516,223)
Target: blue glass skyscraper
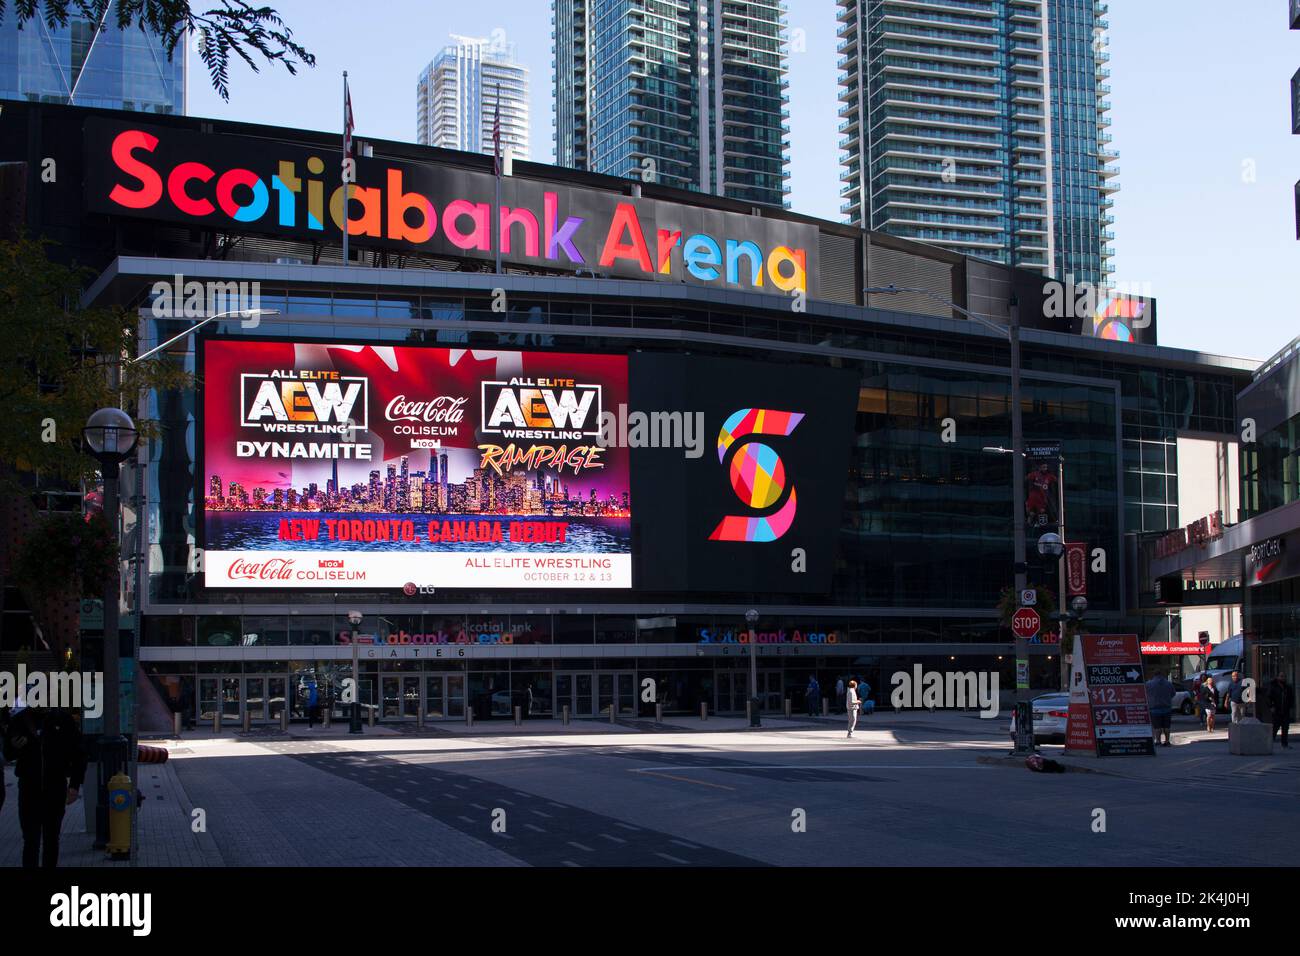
(981,126)
(687,93)
(90,64)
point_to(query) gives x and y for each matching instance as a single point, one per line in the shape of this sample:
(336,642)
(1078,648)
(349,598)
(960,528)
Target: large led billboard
(367,466)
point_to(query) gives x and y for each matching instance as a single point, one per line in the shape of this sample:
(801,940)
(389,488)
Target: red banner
(1076,568)
(1163,647)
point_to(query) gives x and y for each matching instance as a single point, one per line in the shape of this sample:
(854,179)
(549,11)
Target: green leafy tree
(230,27)
(58,363)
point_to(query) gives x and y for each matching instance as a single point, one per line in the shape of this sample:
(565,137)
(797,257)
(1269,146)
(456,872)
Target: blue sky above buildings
(1200,114)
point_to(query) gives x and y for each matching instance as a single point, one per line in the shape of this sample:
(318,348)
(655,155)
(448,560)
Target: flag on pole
(496,135)
(347,119)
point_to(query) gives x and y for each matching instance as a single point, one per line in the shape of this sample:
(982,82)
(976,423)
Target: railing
(1284,353)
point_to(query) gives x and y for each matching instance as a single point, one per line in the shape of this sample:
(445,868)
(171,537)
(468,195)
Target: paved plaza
(909,789)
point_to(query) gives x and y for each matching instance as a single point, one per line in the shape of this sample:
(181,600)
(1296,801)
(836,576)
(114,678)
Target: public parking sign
(1109,715)
(1025,623)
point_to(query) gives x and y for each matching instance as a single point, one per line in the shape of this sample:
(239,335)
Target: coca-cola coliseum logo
(445,409)
(272,569)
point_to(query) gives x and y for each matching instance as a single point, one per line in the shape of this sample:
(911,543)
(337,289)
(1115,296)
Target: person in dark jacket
(1209,698)
(1281,701)
(50,762)
(812,696)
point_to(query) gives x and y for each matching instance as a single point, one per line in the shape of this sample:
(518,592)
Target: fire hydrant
(121,803)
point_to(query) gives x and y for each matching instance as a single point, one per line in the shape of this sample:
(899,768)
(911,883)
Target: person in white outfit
(853,705)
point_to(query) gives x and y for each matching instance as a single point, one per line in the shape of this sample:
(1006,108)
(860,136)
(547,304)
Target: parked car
(1184,702)
(1051,713)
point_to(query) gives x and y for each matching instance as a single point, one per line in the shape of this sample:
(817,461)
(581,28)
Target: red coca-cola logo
(445,409)
(272,569)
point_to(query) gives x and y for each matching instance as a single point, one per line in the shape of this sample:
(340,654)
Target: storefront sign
(1163,647)
(1199,533)
(1271,560)
(709,635)
(241,184)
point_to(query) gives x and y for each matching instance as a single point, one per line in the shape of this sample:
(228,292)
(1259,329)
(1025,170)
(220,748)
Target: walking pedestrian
(1160,700)
(50,762)
(864,697)
(839,696)
(1209,700)
(1236,694)
(853,705)
(813,695)
(1281,701)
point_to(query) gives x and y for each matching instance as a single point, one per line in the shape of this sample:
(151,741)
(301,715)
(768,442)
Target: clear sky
(1205,217)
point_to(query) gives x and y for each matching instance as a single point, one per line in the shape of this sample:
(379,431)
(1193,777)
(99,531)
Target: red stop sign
(1026,623)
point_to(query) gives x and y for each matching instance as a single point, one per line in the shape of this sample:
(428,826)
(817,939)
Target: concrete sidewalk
(162,832)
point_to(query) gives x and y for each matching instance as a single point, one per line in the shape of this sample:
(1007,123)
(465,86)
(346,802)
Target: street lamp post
(1011,332)
(751,618)
(242,313)
(354,725)
(111,436)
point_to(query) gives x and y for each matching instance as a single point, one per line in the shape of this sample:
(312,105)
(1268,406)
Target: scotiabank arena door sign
(333,466)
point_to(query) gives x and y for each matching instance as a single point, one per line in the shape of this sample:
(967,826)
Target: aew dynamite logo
(304,402)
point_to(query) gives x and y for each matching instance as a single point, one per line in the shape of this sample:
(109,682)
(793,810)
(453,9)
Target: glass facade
(926,522)
(979,126)
(1270,469)
(86,64)
(690,94)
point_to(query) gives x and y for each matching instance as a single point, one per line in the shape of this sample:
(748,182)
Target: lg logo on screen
(757,474)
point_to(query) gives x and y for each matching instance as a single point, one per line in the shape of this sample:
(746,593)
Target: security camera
(1079,605)
(354,618)
(1051,546)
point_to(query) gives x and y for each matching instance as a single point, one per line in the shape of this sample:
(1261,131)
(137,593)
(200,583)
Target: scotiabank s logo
(757,474)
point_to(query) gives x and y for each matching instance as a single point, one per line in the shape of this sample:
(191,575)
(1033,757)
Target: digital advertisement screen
(335,466)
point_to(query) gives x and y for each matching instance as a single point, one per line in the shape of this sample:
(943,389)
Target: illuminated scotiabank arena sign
(242,184)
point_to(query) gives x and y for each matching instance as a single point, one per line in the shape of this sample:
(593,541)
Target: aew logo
(555,408)
(304,401)
(757,475)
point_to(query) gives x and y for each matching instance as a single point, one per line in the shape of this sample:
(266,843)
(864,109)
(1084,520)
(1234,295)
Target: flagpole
(347,189)
(496,152)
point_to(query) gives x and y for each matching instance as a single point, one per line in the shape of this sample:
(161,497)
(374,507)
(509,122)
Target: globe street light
(111,436)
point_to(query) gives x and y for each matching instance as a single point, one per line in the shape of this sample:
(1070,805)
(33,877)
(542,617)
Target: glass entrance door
(231,700)
(732,691)
(616,690)
(255,698)
(444,695)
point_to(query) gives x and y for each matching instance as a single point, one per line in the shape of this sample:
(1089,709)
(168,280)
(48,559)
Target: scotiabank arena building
(540,482)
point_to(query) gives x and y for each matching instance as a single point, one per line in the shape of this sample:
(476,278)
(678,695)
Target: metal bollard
(613,711)
(372,715)
(659,712)
(788,707)
(826,706)
(566,715)
(704,710)
(284,720)
(325,716)
(519,715)
(176,724)
(248,720)
(419,718)
(216,721)
(469,715)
